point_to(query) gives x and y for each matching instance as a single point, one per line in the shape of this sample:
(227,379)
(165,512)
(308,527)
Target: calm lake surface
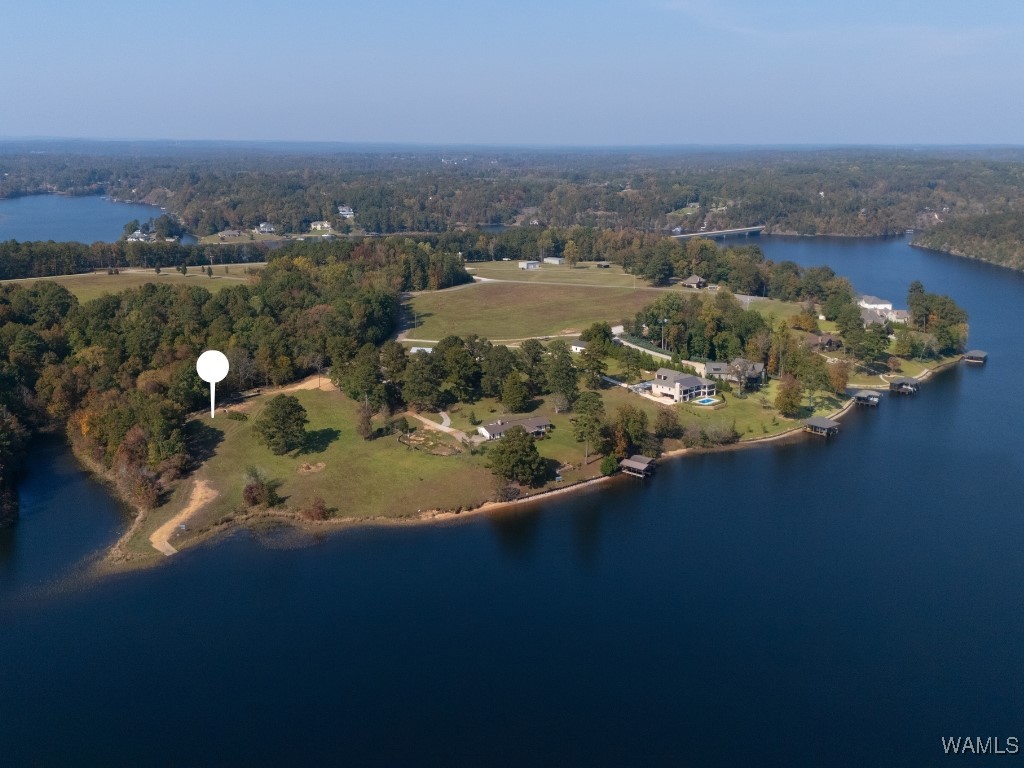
(60,218)
(841,603)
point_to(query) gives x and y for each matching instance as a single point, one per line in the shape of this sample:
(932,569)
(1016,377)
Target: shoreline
(118,559)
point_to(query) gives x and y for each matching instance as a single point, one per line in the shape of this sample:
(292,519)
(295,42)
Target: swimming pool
(706,401)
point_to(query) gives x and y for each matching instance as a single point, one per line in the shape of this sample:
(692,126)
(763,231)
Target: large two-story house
(681,387)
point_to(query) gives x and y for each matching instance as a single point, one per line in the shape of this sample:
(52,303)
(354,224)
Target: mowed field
(522,310)
(583,274)
(95,284)
(519,310)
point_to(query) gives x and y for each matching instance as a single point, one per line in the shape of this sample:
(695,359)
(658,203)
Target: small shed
(557,260)
(819,425)
(529,265)
(904,386)
(975,357)
(866,397)
(637,465)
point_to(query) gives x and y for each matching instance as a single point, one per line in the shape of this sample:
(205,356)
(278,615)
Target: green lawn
(95,284)
(583,274)
(378,478)
(521,310)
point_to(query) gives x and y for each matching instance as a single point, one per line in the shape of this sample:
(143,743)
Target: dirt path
(202,494)
(310,382)
(457,433)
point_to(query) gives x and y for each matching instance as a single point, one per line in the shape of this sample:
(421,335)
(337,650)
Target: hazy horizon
(654,73)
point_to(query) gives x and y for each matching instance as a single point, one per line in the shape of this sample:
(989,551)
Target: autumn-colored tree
(838,376)
(790,395)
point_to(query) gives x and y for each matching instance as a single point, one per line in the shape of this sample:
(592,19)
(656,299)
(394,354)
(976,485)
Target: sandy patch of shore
(202,494)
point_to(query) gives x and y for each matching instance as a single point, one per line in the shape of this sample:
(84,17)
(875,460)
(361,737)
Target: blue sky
(557,72)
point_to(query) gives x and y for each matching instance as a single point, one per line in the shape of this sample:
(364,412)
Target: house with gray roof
(752,373)
(681,387)
(535,426)
(694,281)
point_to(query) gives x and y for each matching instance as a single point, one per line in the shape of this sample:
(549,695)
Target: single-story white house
(414,350)
(873,302)
(529,265)
(681,387)
(535,426)
(578,346)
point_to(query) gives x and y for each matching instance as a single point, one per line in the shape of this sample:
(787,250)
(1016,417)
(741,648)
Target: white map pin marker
(212,366)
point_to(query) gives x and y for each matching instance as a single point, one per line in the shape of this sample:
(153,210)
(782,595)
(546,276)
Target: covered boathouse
(975,357)
(866,397)
(819,425)
(637,465)
(904,386)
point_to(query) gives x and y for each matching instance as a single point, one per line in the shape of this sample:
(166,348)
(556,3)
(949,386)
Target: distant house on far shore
(873,302)
(319,225)
(694,281)
(266,228)
(346,212)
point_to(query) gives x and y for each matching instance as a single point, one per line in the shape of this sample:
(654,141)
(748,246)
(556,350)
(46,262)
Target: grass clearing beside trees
(92,285)
(519,310)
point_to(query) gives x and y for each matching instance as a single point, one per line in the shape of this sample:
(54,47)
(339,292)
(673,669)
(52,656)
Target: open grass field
(583,274)
(95,284)
(520,310)
(379,478)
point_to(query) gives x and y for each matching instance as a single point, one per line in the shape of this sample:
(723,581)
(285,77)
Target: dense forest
(814,191)
(995,237)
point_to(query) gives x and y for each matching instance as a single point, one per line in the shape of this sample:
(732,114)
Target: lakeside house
(681,387)
(529,265)
(694,281)
(230,233)
(320,225)
(637,465)
(266,228)
(536,426)
(578,346)
(752,374)
(873,302)
(346,212)
(876,310)
(557,260)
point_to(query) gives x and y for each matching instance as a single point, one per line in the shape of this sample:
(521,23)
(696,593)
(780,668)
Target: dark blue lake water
(60,218)
(841,603)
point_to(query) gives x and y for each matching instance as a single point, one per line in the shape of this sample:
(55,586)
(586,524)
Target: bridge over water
(719,233)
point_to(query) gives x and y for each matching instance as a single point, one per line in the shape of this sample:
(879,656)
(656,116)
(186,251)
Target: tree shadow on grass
(318,440)
(202,440)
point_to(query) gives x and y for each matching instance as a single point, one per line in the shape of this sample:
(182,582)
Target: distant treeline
(838,191)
